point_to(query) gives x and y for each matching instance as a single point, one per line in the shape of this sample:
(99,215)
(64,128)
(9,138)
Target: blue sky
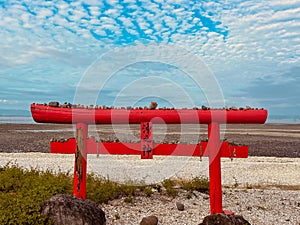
(251,47)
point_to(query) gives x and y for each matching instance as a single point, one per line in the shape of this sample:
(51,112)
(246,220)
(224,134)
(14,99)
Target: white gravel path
(249,171)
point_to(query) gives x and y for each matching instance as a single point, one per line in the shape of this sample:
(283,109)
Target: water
(284,121)
(16,119)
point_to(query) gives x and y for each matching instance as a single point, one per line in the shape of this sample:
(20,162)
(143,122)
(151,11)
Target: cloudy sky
(252,49)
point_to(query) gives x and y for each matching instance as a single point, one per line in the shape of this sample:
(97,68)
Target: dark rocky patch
(66,209)
(223,219)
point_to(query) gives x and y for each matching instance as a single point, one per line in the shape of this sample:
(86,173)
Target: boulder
(149,220)
(180,206)
(67,209)
(224,219)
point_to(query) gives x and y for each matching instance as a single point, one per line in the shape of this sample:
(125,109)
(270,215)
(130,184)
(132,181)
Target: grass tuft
(200,184)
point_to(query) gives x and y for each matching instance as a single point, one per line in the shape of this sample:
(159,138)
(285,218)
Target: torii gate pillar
(214,151)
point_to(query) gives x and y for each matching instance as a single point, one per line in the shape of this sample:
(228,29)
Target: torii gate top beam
(48,114)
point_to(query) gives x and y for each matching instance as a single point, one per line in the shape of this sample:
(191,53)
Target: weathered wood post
(79,186)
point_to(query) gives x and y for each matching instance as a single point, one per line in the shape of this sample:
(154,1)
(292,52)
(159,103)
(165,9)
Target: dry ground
(263,140)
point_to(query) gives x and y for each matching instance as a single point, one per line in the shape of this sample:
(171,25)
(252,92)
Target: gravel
(264,171)
(254,186)
(259,207)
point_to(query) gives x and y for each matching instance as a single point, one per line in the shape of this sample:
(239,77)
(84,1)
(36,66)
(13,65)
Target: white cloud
(263,37)
(148,31)
(5,101)
(127,22)
(43,13)
(112,12)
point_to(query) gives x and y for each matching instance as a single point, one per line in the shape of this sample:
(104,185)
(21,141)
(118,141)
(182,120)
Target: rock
(149,220)
(67,209)
(153,105)
(224,220)
(180,206)
(66,105)
(54,104)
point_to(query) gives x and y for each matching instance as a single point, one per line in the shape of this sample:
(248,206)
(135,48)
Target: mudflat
(277,140)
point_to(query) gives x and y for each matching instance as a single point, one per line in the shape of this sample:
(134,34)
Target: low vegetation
(248,186)
(172,187)
(22,191)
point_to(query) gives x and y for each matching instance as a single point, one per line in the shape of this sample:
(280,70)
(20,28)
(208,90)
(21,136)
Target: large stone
(223,219)
(67,209)
(149,220)
(153,105)
(180,206)
(54,104)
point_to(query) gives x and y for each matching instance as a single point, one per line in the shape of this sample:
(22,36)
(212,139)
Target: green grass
(172,186)
(22,191)
(101,190)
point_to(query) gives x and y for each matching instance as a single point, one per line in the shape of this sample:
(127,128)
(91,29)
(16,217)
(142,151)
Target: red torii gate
(84,145)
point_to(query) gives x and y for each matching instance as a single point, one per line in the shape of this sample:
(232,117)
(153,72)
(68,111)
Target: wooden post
(79,186)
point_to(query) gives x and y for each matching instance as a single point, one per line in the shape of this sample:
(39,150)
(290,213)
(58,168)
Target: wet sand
(274,140)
